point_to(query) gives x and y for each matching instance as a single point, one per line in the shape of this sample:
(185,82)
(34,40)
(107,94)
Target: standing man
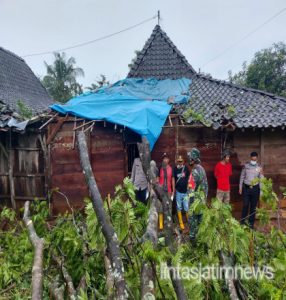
(165,180)
(222,172)
(139,180)
(181,175)
(198,183)
(249,187)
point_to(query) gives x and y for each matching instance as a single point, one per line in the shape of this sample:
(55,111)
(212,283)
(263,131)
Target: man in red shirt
(222,172)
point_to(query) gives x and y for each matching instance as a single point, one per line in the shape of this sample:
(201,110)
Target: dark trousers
(141,195)
(250,200)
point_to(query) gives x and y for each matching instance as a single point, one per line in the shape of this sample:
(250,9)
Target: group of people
(186,182)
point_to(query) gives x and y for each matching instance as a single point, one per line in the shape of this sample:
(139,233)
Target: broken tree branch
(151,170)
(229,281)
(56,291)
(147,271)
(38,243)
(67,278)
(107,229)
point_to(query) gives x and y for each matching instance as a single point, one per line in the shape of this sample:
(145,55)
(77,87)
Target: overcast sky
(200,29)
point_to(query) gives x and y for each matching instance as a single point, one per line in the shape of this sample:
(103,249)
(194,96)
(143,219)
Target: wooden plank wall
(28,167)
(180,140)
(109,159)
(270,145)
(107,156)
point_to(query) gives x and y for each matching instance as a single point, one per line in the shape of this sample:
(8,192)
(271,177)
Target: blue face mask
(253,162)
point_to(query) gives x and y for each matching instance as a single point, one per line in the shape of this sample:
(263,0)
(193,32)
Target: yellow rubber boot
(180,218)
(161,221)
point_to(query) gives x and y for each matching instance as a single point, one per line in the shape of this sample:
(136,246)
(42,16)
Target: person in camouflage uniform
(198,189)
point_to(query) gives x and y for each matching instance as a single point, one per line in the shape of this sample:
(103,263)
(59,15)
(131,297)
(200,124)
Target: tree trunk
(38,243)
(147,271)
(107,229)
(229,282)
(56,291)
(151,170)
(109,277)
(67,278)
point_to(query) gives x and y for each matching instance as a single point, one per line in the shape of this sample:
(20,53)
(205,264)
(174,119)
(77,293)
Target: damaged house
(217,115)
(162,98)
(22,159)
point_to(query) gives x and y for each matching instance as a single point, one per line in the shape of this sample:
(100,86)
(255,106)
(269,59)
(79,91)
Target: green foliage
(100,82)
(231,110)
(61,79)
(196,116)
(136,52)
(23,110)
(267,71)
(78,241)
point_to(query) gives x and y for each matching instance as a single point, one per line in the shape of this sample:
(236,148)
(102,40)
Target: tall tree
(267,71)
(137,52)
(61,79)
(100,82)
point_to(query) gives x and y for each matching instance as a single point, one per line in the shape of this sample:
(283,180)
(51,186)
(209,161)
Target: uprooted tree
(75,258)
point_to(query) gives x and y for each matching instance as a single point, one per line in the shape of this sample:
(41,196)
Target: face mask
(253,162)
(179,166)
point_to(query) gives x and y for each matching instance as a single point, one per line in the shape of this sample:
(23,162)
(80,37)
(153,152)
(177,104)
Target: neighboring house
(22,174)
(19,83)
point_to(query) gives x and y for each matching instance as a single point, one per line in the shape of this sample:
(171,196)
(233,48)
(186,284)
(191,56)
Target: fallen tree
(83,268)
(38,244)
(150,170)
(107,229)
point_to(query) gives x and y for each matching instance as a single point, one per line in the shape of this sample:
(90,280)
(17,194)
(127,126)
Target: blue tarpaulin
(139,104)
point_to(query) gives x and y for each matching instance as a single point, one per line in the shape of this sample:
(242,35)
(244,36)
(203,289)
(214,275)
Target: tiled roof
(218,101)
(18,82)
(215,100)
(161,59)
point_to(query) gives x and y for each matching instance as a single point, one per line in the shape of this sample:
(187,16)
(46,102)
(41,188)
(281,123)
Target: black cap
(253,154)
(225,153)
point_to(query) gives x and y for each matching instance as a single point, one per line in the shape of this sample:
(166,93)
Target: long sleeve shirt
(249,173)
(200,179)
(138,176)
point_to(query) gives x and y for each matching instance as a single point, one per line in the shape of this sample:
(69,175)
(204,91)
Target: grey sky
(200,29)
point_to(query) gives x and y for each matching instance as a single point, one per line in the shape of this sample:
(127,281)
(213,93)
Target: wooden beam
(56,129)
(4,150)
(49,121)
(10,170)
(23,174)
(82,125)
(24,198)
(261,149)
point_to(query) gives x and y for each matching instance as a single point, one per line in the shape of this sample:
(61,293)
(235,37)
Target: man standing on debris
(249,187)
(181,175)
(222,172)
(165,180)
(198,185)
(139,180)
